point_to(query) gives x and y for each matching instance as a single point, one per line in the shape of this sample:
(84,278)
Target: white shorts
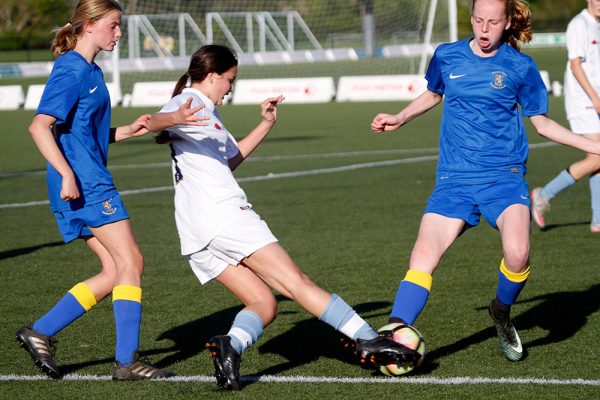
(247,235)
(585,124)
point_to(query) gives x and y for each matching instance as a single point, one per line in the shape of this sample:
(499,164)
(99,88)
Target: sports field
(346,204)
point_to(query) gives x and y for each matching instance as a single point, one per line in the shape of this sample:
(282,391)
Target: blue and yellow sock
(411,296)
(343,318)
(247,327)
(73,305)
(510,284)
(127,308)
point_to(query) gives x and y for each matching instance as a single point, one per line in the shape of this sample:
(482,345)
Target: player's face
(223,84)
(489,22)
(594,8)
(107,30)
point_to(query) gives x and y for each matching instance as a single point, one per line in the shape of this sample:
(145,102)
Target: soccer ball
(408,336)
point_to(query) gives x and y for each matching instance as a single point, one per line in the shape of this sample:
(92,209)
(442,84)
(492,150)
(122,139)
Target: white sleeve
(178,101)
(576,38)
(231,148)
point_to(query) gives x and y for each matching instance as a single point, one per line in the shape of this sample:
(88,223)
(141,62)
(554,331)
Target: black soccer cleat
(510,342)
(41,348)
(226,361)
(139,369)
(383,351)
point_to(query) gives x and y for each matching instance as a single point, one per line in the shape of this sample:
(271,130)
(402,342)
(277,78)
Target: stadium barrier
(34,95)
(380,87)
(12,97)
(253,91)
(295,90)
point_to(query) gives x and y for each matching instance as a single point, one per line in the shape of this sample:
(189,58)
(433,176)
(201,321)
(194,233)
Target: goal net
(280,38)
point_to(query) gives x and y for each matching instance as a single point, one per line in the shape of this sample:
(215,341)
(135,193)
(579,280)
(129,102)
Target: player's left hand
(139,126)
(186,115)
(269,108)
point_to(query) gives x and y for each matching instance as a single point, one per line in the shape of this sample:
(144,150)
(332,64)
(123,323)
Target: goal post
(278,39)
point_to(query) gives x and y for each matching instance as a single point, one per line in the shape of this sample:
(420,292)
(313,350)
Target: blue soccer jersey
(77,97)
(482,135)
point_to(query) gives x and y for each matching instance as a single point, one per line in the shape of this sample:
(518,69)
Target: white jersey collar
(586,14)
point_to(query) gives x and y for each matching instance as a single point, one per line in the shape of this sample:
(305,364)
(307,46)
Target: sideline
(459,380)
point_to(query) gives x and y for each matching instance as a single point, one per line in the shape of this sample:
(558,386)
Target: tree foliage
(28,23)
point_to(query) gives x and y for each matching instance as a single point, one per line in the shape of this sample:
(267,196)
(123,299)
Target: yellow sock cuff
(514,276)
(83,294)
(420,278)
(127,292)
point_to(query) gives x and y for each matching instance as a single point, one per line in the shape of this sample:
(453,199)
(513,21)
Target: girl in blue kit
(483,151)
(71,129)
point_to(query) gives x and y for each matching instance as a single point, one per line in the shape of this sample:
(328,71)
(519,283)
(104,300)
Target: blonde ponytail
(65,38)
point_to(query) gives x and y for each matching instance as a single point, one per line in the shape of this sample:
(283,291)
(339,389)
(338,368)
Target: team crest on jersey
(498,82)
(108,208)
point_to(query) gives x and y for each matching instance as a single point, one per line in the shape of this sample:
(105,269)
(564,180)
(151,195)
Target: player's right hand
(385,122)
(69,190)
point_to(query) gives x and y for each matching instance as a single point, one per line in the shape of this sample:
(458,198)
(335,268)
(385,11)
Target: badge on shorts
(108,208)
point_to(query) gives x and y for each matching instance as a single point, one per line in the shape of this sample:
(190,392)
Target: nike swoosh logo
(93,90)
(519,346)
(524,197)
(452,76)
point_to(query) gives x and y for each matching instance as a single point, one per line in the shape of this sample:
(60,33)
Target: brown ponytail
(210,58)
(163,137)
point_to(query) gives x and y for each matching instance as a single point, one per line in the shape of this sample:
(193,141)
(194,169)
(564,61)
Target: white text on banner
(380,87)
(295,90)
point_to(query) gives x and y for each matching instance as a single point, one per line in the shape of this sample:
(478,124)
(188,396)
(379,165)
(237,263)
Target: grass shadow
(4,255)
(550,227)
(560,314)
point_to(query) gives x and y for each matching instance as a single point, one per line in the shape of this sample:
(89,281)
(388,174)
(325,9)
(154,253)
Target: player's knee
(270,308)
(517,261)
(109,278)
(595,165)
(134,264)
(265,307)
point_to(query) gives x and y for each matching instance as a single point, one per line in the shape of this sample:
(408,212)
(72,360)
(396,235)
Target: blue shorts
(470,201)
(74,224)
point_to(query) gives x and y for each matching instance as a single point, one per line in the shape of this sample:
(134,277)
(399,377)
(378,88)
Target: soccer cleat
(539,206)
(510,342)
(41,348)
(226,361)
(382,350)
(138,370)
(595,228)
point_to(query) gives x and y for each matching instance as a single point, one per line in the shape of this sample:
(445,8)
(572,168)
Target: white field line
(312,156)
(460,380)
(271,175)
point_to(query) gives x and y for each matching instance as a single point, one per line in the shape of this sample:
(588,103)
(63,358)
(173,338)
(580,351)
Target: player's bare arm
(422,104)
(584,82)
(41,132)
(185,115)
(552,130)
(247,145)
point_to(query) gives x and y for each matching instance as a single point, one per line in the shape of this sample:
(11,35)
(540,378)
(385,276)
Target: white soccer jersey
(583,41)
(207,196)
